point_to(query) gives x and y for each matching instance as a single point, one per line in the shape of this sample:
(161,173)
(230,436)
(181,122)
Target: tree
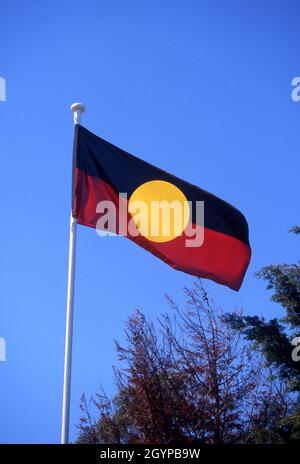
(190,380)
(274,337)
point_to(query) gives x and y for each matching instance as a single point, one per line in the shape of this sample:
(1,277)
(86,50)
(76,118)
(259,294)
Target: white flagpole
(77,109)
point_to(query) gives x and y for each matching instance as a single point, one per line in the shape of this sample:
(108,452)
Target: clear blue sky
(199,88)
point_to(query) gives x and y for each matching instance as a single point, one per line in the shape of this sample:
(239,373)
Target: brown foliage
(192,380)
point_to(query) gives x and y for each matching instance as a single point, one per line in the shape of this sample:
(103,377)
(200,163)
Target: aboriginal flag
(118,192)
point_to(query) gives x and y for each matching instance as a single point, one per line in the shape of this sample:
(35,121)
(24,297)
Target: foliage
(274,337)
(190,379)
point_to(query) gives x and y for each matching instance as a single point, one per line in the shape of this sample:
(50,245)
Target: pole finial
(77,109)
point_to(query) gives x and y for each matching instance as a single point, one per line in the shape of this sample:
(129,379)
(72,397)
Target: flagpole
(77,109)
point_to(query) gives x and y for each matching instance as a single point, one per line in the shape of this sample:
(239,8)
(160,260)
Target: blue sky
(199,88)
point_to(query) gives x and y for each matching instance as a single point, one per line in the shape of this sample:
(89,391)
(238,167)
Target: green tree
(274,337)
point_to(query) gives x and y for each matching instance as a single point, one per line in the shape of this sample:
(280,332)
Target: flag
(187,227)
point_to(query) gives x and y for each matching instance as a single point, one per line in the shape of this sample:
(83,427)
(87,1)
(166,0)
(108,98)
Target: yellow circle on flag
(159,210)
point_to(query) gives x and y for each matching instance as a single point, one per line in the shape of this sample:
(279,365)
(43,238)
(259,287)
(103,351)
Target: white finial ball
(78,107)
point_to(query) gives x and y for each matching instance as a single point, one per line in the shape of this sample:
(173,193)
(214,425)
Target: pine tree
(274,337)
